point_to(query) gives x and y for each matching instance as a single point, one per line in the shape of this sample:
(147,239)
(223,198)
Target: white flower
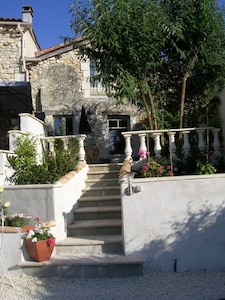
(30,234)
(34,240)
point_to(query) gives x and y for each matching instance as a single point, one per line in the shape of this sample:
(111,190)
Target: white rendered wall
(176,223)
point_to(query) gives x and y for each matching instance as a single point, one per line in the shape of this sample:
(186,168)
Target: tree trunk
(153,109)
(183,94)
(147,111)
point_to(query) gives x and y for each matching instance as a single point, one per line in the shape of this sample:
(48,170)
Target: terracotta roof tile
(11,20)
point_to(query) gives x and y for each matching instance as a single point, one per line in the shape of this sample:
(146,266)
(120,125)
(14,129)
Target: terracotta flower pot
(40,250)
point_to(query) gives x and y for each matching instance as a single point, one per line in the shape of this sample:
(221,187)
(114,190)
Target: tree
(163,55)
(125,39)
(196,56)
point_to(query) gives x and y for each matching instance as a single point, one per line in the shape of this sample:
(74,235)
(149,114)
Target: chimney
(27,14)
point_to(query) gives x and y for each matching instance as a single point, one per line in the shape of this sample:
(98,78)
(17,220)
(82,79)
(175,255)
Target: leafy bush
(153,168)
(54,165)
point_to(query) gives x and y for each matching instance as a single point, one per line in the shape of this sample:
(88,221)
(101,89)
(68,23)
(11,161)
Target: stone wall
(59,79)
(10,54)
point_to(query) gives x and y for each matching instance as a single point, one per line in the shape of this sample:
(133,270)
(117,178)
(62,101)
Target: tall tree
(164,54)
(125,40)
(196,57)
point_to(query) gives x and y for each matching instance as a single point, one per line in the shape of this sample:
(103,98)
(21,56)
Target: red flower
(51,241)
(37,219)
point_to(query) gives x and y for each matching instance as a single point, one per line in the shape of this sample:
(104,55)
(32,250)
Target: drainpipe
(22,53)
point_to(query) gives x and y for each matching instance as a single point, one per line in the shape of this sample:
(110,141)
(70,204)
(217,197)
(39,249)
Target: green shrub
(53,166)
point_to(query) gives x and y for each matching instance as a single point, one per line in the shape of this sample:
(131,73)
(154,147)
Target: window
(96,86)
(117,125)
(63,125)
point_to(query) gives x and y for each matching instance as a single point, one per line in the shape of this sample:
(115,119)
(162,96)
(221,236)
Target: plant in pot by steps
(39,241)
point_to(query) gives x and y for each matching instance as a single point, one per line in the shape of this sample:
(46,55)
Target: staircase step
(87,201)
(101,190)
(100,198)
(103,175)
(90,245)
(97,212)
(104,167)
(85,266)
(103,182)
(95,227)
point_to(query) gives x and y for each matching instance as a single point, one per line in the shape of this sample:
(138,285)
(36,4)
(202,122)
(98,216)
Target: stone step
(97,212)
(103,174)
(112,200)
(85,266)
(90,245)
(101,190)
(95,227)
(100,198)
(103,182)
(105,167)
(99,203)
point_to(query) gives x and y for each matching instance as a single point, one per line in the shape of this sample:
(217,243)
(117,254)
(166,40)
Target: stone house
(61,85)
(17,41)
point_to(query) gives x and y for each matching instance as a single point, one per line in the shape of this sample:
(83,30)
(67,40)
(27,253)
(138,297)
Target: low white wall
(5,172)
(49,202)
(176,223)
(10,248)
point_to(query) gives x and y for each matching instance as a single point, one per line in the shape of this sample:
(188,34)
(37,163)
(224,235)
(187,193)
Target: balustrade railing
(203,135)
(50,140)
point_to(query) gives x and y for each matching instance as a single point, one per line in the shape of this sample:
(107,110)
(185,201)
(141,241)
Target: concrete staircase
(94,246)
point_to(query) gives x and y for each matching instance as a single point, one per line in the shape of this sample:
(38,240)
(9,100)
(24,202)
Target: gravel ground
(153,285)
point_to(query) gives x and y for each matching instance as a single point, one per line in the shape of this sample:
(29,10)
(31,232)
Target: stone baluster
(142,148)
(186,145)
(65,141)
(201,141)
(172,144)
(128,148)
(216,143)
(81,139)
(157,146)
(51,142)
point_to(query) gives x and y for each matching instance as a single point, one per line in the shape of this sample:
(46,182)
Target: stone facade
(62,79)
(60,82)
(10,54)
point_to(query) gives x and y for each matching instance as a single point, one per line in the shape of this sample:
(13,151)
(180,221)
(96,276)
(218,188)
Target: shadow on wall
(196,244)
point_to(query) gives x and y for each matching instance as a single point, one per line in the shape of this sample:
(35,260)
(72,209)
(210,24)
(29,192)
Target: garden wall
(176,223)
(50,202)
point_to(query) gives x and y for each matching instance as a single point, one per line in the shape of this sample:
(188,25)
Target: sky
(51,21)
(51,18)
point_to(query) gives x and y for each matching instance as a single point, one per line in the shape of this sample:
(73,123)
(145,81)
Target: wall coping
(10,229)
(180,177)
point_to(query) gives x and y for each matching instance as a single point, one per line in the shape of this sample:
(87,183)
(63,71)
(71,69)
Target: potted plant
(17,220)
(39,241)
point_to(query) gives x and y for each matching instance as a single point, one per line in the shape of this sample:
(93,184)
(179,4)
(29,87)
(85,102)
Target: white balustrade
(142,148)
(172,144)
(216,143)
(81,139)
(201,141)
(186,145)
(156,134)
(157,145)
(128,148)
(65,139)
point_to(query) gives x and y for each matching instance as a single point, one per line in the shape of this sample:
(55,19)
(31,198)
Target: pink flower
(51,241)
(171,173)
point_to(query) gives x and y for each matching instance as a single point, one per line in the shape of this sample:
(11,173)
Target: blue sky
(51,18)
